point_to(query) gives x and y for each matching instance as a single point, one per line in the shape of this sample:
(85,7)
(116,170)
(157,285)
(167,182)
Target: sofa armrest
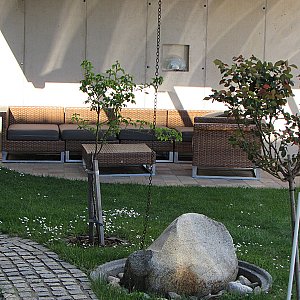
(4,124)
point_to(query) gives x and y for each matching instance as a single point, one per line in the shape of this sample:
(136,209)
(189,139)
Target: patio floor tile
(167,174)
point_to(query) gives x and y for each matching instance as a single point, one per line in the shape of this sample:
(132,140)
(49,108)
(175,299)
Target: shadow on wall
(54,37)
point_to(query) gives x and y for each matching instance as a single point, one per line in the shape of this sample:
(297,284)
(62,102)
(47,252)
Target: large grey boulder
(195,256)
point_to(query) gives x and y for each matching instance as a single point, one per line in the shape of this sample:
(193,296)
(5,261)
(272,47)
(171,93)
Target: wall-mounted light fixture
(175,58)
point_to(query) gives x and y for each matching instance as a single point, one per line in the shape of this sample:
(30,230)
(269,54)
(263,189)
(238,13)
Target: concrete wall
(43,42)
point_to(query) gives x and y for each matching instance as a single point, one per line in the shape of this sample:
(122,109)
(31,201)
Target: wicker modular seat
(214,156)
(135,135)
(183,122)
(74,136)
(32,130)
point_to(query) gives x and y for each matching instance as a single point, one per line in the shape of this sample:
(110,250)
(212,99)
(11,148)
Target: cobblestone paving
(30,271)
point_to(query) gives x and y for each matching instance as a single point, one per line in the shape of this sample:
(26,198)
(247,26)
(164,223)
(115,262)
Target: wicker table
(120,155)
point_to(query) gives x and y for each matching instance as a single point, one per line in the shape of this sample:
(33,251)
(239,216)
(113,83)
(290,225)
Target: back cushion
(184,118)
(36,115)
(144,114)
(86,114)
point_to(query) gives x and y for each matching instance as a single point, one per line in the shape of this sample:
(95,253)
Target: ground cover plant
(50,210)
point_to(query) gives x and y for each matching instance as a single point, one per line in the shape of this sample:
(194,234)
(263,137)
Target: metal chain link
(156,85)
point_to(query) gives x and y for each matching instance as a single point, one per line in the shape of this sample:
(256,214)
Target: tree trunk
(98,204)
(293,217)
(95,205)
(91,211)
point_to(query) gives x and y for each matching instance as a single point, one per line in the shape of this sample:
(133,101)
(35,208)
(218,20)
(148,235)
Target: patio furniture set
(49,131)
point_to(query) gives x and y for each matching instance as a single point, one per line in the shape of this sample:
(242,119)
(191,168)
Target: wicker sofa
(51,131)
(213,153)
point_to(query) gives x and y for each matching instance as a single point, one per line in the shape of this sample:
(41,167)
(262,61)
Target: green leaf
(218,62)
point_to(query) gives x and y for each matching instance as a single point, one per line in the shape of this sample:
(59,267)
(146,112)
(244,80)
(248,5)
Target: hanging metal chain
(156,85)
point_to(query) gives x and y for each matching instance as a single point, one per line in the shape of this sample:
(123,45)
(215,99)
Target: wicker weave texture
(36,115)
(119,155)
(184,118)
(86,114)
(75,146)
(33,115)
(211,147)
(183,147)
(34,146)
(221,127)
(4,116)
(157,146)
(146,115)
(220,119)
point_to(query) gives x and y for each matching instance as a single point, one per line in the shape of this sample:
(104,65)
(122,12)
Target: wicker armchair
(183,121)
(214,155)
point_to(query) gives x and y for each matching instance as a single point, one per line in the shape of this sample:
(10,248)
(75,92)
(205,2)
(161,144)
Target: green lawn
(49,210)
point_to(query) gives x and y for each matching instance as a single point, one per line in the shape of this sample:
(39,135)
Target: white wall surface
(43,43)
(12,52)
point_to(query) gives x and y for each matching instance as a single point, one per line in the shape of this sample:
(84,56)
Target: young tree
(108,94)
(258,91)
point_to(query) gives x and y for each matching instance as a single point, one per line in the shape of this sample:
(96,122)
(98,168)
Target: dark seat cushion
(71,132)
(133,133)
(33,132)
(187,133)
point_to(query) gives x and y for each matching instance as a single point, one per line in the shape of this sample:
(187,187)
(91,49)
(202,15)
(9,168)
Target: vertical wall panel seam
(205,43)
(24,35)
(146,43)
(265,30)
(24,51)
(85,30)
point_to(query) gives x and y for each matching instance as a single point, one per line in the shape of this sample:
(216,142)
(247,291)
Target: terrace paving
(167,174)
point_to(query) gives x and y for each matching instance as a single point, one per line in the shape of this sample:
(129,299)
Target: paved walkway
(30,271)
(167,174)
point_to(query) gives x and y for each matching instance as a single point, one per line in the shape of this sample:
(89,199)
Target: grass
(49,210)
